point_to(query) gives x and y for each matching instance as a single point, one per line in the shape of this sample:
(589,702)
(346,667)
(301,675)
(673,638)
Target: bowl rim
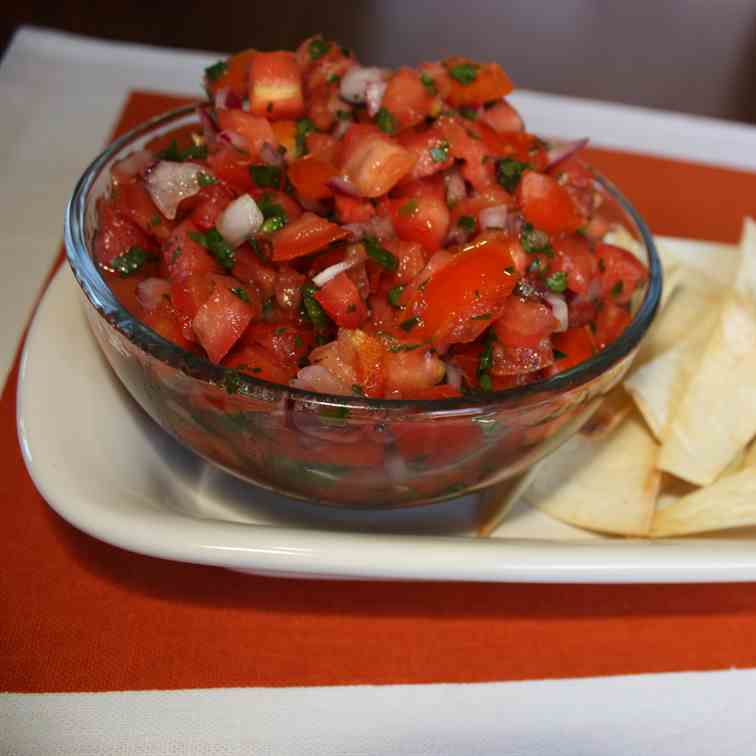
(100,295)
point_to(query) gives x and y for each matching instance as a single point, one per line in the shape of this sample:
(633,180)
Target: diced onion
(493,217)
(270,155)
(456,189)
(232,138)
(453,376)
(559,309)
(343,186)
(558,152)
(380,227)
(169,183)
(150,292)
(239,220)
(373,96)
(333,270)
(354,83)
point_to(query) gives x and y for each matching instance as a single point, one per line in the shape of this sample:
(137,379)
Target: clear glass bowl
(345,451)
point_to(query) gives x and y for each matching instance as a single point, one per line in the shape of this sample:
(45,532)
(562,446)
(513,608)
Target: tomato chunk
(407,99)
(275,86)
(571,348)
(424,220)
(341,300)
(611,321)
(621,273)
(253,130)
(474,84)
(306,235)
(234,74)
(547,205)
(524,323)
(310,176)
(184,256)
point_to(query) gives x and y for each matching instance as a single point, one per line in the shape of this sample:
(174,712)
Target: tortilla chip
(604,484)
(728,503)
(716,415)
(749,459)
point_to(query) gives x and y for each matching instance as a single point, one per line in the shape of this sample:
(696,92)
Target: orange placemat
(80,615)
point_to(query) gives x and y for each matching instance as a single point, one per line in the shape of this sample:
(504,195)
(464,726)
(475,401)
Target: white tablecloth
(60,96)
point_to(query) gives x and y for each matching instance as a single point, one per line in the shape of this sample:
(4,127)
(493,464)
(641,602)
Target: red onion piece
(232,138)
(342,186)
(559,152)
(559,309)
(169,183)
(354,83)
(493,217)
(456,189)
(377,226)
(270,155)
(240,220)
(373,96)
(150,292)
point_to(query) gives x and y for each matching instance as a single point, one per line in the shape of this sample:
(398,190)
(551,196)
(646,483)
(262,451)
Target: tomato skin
(475,283)
(424,220)
(183,256)
(524,323)
(353,209)
(275,86)
(188,294)
(611,321)
(236,76)
(577,344)
(420,143)
(490,83)
(248,268)
(132,200)
(412,259)
(117,234)
(253,130)
(407,98)
(372,161)
(547,205)
(222,318)
(471,206)
(478,170)
(621,273)
(306,235)
(232,167)
(165,321)
(258,362)
(341,300)
(574,258)
(210,203)
(310,176)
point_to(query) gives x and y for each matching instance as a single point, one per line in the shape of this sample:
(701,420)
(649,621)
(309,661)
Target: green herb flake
(266,176)
(334,79)
(486,357)
(176,254)
(485,382)
(408,208)
(318,48)
(344,115)
(216,245)
(232,381)
(267,307)
(173,154)
(380,254)
(559,355)
(429,84)
(394,296)
(303,127)
(535,266)
(469,114)
(467,223)
(440,153)
(509,270)
(385,121)
(464,73)
(617,288)
(312,309)
(601,265)
(357,390)
(241,293)
(408,325)
(274,214)
(131,261)
(214,72)
(509,172)
(557,282)
(483,316)
(205,179)
(335,413)
(156,220)
(534,240)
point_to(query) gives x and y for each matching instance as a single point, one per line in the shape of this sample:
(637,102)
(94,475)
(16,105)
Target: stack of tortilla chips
(671,451)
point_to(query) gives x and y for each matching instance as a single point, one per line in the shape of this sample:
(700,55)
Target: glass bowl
(341,450)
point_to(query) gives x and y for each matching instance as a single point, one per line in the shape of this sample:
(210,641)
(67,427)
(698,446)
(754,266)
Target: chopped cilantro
(131,261)
(257,248)
(469,113)
(175,155)
(156,220)
(333,79)
(408,208)
(318,48)
(535,266)
(214,72)
(205,179)
(617,288)
(274,214)
(266,176)
(483,316)
(312,308)
(394,296)
(380,254)
(509,270)
(534,240)
(485,382)
(440,152)
(176,254)
(232,381)
(559,355)
(557,282)
(486,357)
(408,325)
(216,245)
(385,121)
(429,84)
(467,223)
(303,127)
(509,172)
(344,115)
(464,73)
(336,413)
(241,293)
(399,347)
(267,307)
(357,390)
(601,265)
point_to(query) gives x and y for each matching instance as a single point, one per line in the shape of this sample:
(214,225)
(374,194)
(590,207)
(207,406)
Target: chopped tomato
(285,133)
(611,321)
(502,117)
(461,299)
(353,209)
(275,86)
(413,369)
(288,343)
(621,273)
(341,300)
(325,106)
(117,234)
(234,76)
(573,257)
(424,442)
(321,145)
(430,149)
(330,62)
(134,202)
(222,318)
(470,207)
(259,363)
(573,346)
(188,294)
(249,268)
(184,255)
(310,176)
(183,137)
(253,130)
(547,205)
(524,323)
(466,145)
(474,83)
(424,220)
(211,201)
(372,161)
(165,321)
(519,145)
(365,354)
(519,360)
(232,166)
(441,391)
(411,256)
(306,235)
(407,99)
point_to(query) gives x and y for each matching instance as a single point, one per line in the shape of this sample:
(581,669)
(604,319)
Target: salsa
(363,231)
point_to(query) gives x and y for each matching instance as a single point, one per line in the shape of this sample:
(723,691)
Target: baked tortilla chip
(728,503)
(716,414)
(608,484)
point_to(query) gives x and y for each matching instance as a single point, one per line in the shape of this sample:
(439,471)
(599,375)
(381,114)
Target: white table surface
(61,95)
